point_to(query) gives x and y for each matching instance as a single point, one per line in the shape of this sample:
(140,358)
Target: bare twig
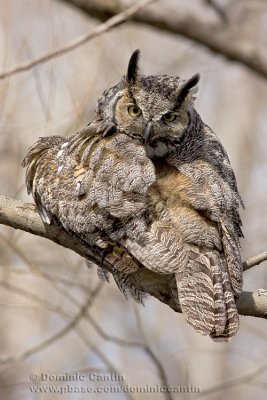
(24,216)
(126,343)
(219,39)
(108,337)
(256,260)
(102,356)
(55,278)
(83,311)
(150,353)
(33,266)
(243,380)
(99,30)
(71,325)
(47,305)
(217,8)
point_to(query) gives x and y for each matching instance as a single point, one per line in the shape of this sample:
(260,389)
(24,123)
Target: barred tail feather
(206,298)
(231,313)
(195,291)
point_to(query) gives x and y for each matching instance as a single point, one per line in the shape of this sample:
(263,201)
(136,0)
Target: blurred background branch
(218,37)
(114,21)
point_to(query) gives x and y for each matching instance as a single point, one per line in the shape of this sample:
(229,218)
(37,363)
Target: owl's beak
(147,131)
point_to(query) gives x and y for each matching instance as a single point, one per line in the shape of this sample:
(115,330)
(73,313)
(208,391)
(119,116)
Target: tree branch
(115,20)
(23,216)
(219,39)
(256,260)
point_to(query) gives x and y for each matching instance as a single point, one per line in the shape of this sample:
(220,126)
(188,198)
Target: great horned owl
(147,183)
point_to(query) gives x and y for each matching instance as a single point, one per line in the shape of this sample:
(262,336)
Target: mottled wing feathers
(215,199)
(35,155)
(233,259)
(39,162)
(92,181)
(185,238)
(94,186)
(161,250)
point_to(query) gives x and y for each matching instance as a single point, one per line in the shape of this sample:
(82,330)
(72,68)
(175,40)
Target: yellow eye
(169,117)
(134,111)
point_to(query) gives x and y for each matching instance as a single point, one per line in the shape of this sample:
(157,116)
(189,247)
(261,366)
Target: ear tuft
(188,85)
(132,71)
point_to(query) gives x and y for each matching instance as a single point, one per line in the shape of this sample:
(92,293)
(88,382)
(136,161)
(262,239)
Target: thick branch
(219,39)
(24,216)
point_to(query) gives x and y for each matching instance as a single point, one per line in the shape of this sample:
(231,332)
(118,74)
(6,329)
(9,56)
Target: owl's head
(155,110)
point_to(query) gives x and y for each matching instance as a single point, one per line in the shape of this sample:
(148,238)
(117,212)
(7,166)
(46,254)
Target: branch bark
(24,216)
(256,260)
(220,39)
